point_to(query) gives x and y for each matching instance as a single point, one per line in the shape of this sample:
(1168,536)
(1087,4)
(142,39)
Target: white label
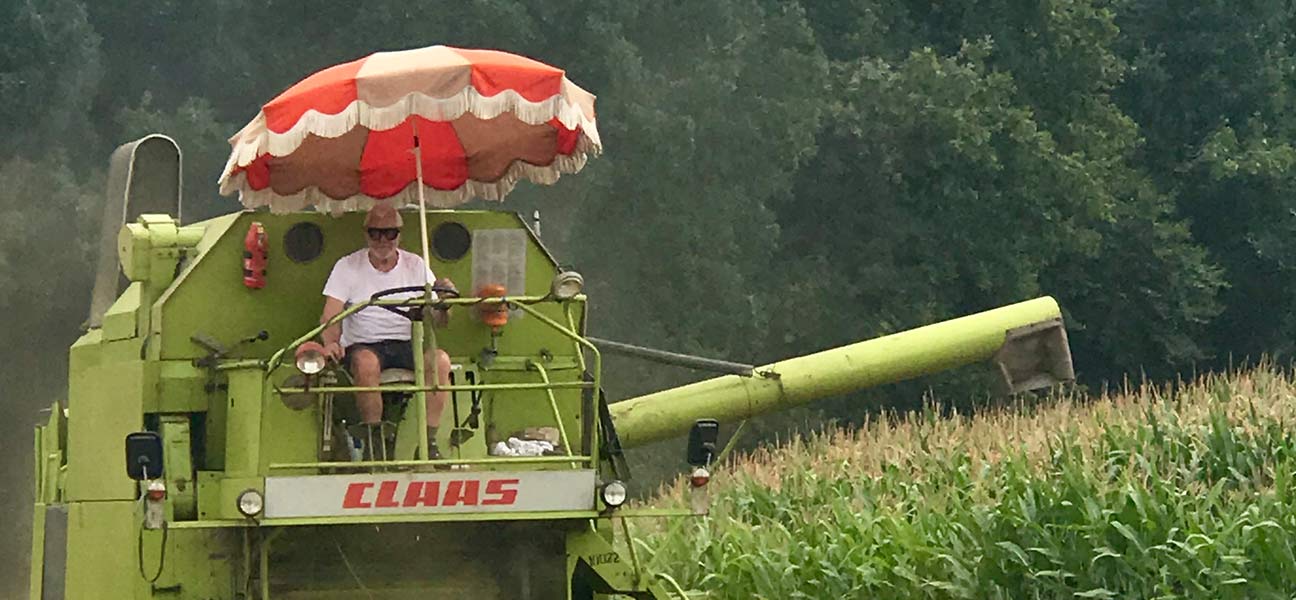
(428,493)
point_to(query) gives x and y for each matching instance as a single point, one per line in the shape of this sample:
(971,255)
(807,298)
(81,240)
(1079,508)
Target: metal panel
(104,404)
(54,565)
(102,559)
(178,462)
(426,493)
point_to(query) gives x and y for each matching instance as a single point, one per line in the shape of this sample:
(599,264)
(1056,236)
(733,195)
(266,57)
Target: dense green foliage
(1189,494)
(779,177)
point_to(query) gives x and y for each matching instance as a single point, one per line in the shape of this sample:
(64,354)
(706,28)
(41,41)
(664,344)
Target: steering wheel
(412,314)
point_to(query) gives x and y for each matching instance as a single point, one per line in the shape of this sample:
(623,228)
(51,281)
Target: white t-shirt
(354,279)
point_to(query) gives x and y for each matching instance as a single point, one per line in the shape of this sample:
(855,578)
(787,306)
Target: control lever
(208,343)
(473,414)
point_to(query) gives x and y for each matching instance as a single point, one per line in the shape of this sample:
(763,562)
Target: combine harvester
(204,452)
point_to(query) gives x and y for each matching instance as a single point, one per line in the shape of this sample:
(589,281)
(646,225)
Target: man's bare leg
(366,370)
(436,402)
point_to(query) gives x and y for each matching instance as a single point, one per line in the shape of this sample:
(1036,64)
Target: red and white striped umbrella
(344,137)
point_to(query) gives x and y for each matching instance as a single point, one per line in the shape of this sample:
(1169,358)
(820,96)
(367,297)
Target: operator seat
(393,376)
(396,377)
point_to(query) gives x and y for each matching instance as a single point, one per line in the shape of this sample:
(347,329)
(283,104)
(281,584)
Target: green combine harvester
(202,454)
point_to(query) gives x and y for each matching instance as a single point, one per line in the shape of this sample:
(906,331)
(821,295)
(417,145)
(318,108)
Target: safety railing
(448,462)
(523,303)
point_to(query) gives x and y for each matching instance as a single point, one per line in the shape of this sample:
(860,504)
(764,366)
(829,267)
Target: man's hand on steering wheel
(334,351)
(444,287)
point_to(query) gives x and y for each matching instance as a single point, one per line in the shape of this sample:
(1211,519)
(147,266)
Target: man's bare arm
(332,335)
(441,316)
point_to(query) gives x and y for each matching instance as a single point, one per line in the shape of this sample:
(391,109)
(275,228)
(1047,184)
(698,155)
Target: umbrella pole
(418,169)
(429,345)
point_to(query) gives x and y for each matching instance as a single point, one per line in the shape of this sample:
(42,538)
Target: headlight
(614,494)
(566,285)
(699,477)
(250,503)
(310,358)
(156,491)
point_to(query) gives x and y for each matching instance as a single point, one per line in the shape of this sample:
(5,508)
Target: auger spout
(1026,340)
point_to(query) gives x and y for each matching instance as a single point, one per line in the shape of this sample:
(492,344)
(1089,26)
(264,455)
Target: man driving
(374,339)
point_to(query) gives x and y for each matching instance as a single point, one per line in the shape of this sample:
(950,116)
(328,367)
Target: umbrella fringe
(360,113)
(485,190)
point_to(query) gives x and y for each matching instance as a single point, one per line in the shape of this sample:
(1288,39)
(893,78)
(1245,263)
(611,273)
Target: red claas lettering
(423,493)
(504,490)
(387,495)
(355,495)
(461,492)
(458,492)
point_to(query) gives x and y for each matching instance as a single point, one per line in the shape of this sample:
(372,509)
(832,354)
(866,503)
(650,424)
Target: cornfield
(1182,492)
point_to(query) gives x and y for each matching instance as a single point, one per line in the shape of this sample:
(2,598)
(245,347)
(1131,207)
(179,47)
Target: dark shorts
(392,354)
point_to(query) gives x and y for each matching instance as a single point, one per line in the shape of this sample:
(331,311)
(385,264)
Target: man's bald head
(383,216)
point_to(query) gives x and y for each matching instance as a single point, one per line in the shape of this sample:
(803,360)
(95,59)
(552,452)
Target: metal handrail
(499,460)
(409,389)
(553,404)
(598,356)
(277,358)
(520,302)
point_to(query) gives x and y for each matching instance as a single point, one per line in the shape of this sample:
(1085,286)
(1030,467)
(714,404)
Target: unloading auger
(1026,342)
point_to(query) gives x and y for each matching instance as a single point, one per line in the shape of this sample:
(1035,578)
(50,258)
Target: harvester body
(256,493)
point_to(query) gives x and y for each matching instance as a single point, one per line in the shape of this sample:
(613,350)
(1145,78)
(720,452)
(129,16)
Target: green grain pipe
(778,386)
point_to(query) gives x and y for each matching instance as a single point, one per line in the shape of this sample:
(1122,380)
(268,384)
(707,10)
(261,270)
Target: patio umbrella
(466,123)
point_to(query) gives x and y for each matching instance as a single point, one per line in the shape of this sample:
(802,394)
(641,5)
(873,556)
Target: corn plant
(1183,492)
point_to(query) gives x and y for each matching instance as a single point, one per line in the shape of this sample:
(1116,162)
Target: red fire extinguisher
(254,256)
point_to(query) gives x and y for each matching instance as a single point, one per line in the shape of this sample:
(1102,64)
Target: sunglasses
(383,233)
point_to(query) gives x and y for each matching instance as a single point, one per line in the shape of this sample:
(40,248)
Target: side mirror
(702,442)
(143,455)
